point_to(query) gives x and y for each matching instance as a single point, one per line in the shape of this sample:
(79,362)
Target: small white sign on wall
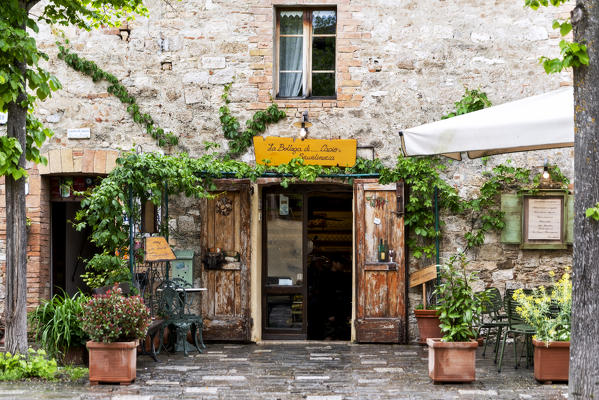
(78,133)
(3,118)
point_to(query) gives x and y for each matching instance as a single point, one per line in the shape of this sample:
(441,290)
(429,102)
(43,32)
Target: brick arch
(87,161)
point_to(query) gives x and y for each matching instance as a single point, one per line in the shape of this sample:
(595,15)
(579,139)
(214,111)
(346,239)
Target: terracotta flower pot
(451,361)
(552,363)
(428,324)
(112,362)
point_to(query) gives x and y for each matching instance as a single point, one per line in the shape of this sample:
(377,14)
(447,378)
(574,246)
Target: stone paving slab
(299,371)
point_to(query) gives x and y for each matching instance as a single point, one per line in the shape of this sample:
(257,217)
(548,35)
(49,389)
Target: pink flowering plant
(113,317)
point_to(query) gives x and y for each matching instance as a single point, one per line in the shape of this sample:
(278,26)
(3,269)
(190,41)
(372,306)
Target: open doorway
(329,234)
(69,248)
(307,262)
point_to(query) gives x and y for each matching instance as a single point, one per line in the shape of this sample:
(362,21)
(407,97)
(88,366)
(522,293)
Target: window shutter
(569,219)
(511,205)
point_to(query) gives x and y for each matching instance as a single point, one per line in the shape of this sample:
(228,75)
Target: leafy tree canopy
(23,80)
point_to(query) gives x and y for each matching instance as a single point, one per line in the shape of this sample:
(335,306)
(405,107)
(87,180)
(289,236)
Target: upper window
(306,53)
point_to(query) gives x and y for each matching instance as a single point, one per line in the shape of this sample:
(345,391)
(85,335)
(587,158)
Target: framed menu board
(543,221)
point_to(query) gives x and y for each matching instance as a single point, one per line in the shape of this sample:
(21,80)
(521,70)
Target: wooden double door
(292,251)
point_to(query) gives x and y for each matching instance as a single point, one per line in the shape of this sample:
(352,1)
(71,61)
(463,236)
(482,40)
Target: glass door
(284,252)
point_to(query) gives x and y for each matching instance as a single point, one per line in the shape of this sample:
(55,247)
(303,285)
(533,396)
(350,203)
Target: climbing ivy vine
(241,140)
(117,89)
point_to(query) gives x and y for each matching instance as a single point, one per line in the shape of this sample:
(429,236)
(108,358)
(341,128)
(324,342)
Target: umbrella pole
(437,230)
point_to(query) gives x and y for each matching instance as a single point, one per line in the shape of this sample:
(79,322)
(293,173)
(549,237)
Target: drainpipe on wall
(131,250)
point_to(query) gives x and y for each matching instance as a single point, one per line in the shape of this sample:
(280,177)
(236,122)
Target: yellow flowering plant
(548,310)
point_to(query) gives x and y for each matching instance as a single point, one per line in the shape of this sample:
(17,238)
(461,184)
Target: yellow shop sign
(278,150)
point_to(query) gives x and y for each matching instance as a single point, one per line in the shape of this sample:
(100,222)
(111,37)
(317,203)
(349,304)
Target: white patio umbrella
(539,122)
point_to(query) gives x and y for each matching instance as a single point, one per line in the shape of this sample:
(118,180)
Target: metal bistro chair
(517,327)
(492,319)
(197,321)
(171,307)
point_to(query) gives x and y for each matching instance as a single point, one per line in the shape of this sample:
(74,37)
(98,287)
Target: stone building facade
(398,64)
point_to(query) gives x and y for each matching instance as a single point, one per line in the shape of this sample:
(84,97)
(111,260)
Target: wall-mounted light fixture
(303,125)
(546,170)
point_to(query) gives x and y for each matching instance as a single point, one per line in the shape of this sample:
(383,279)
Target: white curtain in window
(290,54)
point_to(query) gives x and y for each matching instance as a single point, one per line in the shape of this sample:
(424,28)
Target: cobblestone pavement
(304,370)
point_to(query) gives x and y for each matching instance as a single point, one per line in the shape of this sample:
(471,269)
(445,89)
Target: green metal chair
(197,319)
(492,319)
(516,327)
(171,301)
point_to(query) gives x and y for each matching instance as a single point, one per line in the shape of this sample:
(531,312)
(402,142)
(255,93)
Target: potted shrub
(428,323)
(114,323)
(548,312)
(57,327)
(452,357)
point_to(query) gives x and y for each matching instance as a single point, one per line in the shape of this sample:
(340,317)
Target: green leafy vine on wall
(116,88)
(472,100)
(241,140)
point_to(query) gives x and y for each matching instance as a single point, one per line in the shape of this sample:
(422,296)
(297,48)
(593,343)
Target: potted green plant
(115,323)
(548,312)
(452,357)
(57,327)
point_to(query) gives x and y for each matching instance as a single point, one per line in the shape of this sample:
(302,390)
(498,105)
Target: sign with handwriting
(277,150)
(157,249)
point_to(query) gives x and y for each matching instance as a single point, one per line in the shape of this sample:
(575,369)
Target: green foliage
(421,175)
(593,212)
(535,4)
(56,325)
(105,270)
(472,100)
(572,54)
(116,88)
(240,140)
(113,317)
(34,365)
(71,373)
(458,306)
(549,313)
(23,80)
(484,212)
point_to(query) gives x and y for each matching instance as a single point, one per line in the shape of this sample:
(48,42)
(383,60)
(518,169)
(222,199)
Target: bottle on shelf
(381,251)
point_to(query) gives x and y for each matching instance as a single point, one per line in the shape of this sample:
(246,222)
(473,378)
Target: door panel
(381,286)
(226,225)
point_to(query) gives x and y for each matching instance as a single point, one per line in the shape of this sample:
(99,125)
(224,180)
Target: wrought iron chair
(196,318)
(516,327)
(171,307)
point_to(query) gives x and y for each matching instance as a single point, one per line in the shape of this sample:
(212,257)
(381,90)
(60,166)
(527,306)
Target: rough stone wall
(399,64)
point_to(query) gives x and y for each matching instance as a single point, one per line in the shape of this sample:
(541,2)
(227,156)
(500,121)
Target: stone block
(66,156)
(195,95)
(54,161)
(185,223)
(213,62)
(221,77)
(503,275)
(196,78)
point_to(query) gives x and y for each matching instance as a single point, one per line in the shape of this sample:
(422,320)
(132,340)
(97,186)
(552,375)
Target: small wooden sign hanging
(157,249)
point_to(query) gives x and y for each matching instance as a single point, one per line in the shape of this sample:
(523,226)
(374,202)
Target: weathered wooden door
(226,225)
(380,286)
